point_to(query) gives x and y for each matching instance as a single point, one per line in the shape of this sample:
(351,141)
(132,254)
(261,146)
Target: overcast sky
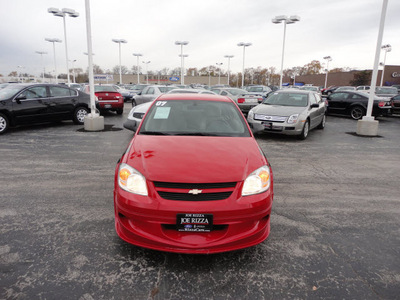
(343,29)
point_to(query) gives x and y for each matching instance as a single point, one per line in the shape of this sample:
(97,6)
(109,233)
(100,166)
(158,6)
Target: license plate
(251,100)
(194,222)
(271,126)
(107,106)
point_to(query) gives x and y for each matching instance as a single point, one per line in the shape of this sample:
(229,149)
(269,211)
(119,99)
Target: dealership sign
(103,77)
(175,78)
(395,74)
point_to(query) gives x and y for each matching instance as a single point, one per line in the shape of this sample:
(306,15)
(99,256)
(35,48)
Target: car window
(35,92)
(337,95)
(318,97)
(194,117)
(223,93)
(56,91)
(149,91)
(312,99)
(287,99)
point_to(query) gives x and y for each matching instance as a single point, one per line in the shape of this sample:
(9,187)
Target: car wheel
(306,130)
(357,112)
(79,115)
(133,103)
(323,122)
(120,111)
(4,124)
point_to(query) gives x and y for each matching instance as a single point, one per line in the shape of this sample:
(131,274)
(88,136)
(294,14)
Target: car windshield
(194,118)
(236,92)
(255,89)
(164,89)
(287,99)
(104,88)
(386,90)
(9,91)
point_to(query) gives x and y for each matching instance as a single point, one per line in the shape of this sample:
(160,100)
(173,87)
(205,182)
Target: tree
(124,70)
(361,78)
(313,67)
(13,74)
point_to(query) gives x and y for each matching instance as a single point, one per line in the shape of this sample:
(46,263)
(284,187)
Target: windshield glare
(287,99)
(194,117)
(386,90)
(104,88)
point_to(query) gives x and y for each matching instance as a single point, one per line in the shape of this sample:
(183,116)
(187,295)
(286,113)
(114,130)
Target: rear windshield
(104,88)
(194,117)
(287,99)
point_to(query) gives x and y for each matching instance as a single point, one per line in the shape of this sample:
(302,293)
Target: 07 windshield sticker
(162,112)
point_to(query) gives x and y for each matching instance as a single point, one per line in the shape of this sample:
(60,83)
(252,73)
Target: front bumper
(276,127)
(150,222)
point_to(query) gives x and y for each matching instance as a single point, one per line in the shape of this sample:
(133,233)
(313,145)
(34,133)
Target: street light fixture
(147,73)
(62,13)
(54,50)
(182,43)
(137,71)
(285,20)
(41,57)
(219,72)
(119,42)
(229,63)
(244,45)
(328,59)
(387,49)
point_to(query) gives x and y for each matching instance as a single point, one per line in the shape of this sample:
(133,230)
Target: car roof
(294,91)
(204,97)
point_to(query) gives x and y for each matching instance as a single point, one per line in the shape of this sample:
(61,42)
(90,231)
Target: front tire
(120,111)
(79,115)
(133,102)
(357,112)
(4,123)
(306,130)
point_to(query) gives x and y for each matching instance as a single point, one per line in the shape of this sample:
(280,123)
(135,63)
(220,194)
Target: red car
(193,179)
(108,98)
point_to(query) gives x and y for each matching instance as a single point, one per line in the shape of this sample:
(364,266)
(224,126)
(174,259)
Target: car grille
(194,191)
(278,119)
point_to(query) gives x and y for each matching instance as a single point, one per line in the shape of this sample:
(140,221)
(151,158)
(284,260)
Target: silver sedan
(289,112)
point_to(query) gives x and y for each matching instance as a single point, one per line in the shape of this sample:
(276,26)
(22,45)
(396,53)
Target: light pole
(41,57)
(137,71)
(73,69)
(147,72)
(285,20)
(328,59)
(54,50)
(244,45)
(387,49)
(62,13)
(219,72)
(183,43)
(119,42)
(183,64)
(229,63)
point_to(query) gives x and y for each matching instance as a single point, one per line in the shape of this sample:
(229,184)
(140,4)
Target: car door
(62,102)
(146,96)
(316,113)
(31,105)
(337,102)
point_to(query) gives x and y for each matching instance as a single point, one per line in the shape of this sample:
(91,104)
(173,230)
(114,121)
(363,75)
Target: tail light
(260,100)
(381,104)
(241,100)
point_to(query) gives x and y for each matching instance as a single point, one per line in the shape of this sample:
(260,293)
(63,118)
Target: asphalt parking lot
(335,230)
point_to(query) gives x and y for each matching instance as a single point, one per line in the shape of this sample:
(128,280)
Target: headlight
(257,182)
(293,119)
(131,180)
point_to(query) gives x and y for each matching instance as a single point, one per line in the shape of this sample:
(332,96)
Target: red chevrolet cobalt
(193,179)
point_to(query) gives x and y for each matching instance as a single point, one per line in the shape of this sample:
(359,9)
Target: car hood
(277,110)
(194,159)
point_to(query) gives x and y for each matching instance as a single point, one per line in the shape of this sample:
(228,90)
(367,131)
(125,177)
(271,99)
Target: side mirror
(314,105)
(19,98)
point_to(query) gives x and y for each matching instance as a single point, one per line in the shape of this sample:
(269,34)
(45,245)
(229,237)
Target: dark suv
(40,103)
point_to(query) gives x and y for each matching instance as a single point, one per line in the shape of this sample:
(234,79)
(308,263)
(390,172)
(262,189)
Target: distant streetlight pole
(229,63)
(387,49)
(41,57)
(147,70)
(137,71)
(54,50)
(73,69)
(119,42)
(62,13)
(328,59)
(219,72)
(285,20)
(244,45)
(183,64)
(182,43)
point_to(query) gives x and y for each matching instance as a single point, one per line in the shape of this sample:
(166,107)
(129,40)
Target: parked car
(345,88)
(355,104)
(386,92)
(193,179)
(290,112)
(328,90)
(363,88)
(24,104)
(190,91)
(151,92)
(395,104)
(259,90)
(397,86)
(310,88)
(241,97)
(126,94)
(135,90)
(108,98)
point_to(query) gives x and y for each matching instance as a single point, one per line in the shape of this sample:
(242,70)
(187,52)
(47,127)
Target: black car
(355,104)
(40,103)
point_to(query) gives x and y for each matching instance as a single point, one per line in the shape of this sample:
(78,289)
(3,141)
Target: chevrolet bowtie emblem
(195,191)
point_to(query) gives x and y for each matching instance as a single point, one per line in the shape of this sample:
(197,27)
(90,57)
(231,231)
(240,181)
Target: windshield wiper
(154,133)
(197,134)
